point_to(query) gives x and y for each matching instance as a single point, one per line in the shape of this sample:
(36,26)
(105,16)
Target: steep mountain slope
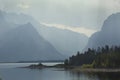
(109,34)
(24,43)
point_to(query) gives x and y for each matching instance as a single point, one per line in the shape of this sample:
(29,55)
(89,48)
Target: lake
(8,71)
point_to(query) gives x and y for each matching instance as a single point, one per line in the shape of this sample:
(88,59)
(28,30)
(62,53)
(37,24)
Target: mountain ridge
(24,43)
(65,41)
(109,34)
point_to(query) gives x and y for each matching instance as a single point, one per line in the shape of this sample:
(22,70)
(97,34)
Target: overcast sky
(85,16)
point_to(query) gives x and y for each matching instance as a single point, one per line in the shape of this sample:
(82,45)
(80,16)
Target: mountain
(65,41)
(19,18)
(24,43)
(109,34)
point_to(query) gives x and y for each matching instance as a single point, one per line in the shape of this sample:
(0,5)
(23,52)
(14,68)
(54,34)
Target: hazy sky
(85,16)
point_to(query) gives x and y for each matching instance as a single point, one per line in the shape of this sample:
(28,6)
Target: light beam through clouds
(85,31)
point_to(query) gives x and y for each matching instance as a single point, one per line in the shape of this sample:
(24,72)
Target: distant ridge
(65,41)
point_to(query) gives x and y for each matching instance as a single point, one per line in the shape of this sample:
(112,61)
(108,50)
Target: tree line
(102,57)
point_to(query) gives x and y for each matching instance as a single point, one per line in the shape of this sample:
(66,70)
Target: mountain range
(23,38)
(65,41)
(22,42)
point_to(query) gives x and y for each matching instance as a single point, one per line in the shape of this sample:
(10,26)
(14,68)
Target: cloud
(86,31)
(17,6)
(86,13)
(23,5)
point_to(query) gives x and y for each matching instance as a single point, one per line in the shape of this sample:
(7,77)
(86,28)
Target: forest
(102,57)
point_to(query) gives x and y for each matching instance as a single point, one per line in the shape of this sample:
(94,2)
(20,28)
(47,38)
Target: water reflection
(82,76)
(95,75)
(108,76)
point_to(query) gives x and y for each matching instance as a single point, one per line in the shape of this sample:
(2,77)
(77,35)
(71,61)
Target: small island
(41,66)
(35,66)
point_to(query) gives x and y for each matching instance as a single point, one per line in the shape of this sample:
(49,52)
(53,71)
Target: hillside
(24,43)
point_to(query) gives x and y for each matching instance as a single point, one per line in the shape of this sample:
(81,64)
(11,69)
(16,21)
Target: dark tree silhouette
(103,57)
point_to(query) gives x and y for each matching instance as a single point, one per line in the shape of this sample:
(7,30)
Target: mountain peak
(113,21)
(24,43)
(28,24)
(109,34)
(28,27)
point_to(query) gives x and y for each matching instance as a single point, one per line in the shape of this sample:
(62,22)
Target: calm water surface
(8,71)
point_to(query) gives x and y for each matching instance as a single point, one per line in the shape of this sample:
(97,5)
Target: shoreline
(94,70)
(74,69)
